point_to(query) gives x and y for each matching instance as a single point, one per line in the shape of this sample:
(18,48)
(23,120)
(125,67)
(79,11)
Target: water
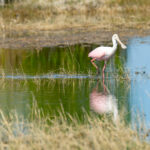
(63,78)
(139,96)
(54,78)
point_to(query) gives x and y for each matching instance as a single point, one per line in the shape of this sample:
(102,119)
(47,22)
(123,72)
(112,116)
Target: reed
(35,15)
(65,132)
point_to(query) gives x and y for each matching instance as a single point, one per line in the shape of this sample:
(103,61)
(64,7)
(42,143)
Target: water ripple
(52,76)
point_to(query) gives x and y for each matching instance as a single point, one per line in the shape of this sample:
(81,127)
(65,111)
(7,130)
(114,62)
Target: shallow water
(64,78)
(56,78)
(138,61)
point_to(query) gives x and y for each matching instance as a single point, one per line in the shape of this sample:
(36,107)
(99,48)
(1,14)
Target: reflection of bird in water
(104,53)
(103,102)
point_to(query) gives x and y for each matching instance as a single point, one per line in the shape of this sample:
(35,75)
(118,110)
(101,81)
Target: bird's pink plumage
(97,53)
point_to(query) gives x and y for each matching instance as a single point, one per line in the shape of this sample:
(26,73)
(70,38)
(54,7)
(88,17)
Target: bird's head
(116,37)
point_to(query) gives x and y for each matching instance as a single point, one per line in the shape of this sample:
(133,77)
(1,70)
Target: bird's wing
(97,53)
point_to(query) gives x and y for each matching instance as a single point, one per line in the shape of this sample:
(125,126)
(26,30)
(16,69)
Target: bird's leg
(104,87)
(98,72)
(92,61)
(103,71)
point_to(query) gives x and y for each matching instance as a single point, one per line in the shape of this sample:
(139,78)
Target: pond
(63,78)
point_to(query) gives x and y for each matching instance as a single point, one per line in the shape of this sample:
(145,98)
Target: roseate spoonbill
(104,53)
(103,102)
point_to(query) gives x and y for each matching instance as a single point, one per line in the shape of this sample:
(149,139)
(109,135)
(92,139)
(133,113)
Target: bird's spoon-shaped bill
(122,45)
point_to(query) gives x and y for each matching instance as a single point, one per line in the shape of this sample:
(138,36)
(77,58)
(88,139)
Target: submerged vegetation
(33,15)
(64,132)
(69,60)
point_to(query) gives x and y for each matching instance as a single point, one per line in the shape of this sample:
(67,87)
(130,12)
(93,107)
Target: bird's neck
(114,44)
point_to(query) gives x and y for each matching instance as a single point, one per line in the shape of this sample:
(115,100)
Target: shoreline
(65,37)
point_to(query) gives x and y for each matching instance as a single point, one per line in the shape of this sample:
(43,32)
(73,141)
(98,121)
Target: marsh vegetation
(49,96)
(45,95)
(35,15)
(49,93)
(66,132)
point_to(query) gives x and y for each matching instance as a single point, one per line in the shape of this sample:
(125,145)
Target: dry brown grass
(46,15)
(59,133)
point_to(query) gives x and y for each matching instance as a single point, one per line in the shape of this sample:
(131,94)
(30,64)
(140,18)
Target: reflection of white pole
(115,113)
(113,107)
(2,2)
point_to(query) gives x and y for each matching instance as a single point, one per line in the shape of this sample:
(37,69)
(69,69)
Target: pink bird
(105,53)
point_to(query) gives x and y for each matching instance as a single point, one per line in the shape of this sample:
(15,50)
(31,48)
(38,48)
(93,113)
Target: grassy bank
(33,15)
(17,133)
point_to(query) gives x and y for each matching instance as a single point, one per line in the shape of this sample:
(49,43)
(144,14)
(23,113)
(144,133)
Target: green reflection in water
(71,59)
(52,94)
